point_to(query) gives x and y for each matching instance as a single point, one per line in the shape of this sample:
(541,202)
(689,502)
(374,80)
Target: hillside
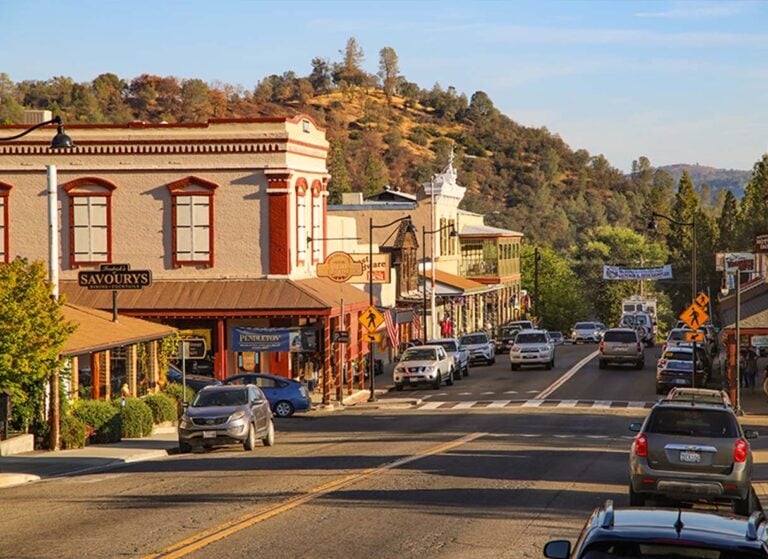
(718,179)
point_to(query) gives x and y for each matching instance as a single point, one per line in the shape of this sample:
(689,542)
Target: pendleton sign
(115,276)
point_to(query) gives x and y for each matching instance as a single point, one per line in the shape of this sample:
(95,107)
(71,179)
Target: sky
(676,82)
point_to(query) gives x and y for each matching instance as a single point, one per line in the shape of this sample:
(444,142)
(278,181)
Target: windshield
(673,355)
(538,338)
(584,326)
(473,339)
(207,398)
(447,346)
(635,320)
(509,331)
(555,335)
(421,354)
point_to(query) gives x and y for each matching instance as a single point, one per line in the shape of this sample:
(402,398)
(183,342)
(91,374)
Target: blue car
(285,396)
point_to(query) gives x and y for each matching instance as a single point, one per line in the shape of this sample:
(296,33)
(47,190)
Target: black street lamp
(653,227)
(59,141)
(724,290)
(371,227)
(424,234)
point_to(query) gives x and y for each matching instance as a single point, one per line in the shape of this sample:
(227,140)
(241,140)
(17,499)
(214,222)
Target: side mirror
(185,405)
(751,434)
(635,427)
(557,549)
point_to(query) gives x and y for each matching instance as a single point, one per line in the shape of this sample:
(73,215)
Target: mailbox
(5,414)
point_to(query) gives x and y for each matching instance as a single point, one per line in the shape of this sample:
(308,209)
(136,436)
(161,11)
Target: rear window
(421,354)
(584,326)
(523,338)
(619,336)
(692,422)
(672,355)
(474,339)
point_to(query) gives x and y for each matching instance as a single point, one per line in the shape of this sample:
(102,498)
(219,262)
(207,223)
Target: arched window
(301,222)
(317,221)
(192,221)
(90,220)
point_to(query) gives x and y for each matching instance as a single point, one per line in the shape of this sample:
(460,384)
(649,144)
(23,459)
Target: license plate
(209,434)
(690,457)
(680,381)
(413,379)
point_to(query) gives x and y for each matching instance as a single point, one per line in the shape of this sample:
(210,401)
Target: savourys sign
(115,279)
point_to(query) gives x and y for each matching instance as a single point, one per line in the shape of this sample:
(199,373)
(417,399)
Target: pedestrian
(750,369)
(125,392)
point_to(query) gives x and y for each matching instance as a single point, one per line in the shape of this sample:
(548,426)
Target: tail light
(661,363)
(740,451)
(641,445)
(663,347)
(639,347)
(602,346)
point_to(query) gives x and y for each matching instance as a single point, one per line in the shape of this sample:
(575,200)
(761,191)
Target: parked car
(702,395)
(285,396)
(221,415)
(459,353)
(557,337)
(587,332)
(506,333)
(480,346)
(658,533)
(424,364)
(687,450)
(532,347)
(675,366)
(194,381)
(621,345)
(677,337)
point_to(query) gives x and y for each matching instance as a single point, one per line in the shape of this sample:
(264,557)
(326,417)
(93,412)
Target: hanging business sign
(274,339)
(617,273)
(761,242)
(115,276)
(339,267)
(744,261)
(379,273)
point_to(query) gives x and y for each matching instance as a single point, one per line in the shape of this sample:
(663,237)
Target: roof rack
(754,519)
(608,515)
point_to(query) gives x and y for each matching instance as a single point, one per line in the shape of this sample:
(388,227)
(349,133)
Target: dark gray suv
(691,450)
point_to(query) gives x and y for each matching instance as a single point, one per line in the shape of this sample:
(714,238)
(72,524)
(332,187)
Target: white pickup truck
(459,353)
(424,364)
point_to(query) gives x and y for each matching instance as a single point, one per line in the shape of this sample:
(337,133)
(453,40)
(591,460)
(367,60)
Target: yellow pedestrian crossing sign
(702,300)
(694,316)
(371,319)
(694,336)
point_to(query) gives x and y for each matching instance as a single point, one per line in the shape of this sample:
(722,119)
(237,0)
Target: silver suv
(688,450)
(621,345)
(532,347)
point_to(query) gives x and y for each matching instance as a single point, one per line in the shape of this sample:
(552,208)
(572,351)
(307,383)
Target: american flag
(417,324)
(390,319)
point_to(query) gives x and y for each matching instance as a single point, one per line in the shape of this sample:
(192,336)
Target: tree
(727,223)
(350,71)
(680,240)
(320,77)
(388,72)
(753,218)
(111,91)
(195,104)
(337,168)
(32,335)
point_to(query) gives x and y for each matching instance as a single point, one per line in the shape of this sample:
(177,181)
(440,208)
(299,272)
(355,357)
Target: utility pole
(536,258)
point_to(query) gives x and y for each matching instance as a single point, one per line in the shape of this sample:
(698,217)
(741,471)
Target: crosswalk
(534,403)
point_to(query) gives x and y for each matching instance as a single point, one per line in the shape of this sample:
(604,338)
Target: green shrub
(103,418)
(163,407)
(74,432)
(175,390)
(136,418)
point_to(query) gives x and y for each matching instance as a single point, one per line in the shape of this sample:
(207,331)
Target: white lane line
(636,405)
(533,403)
(533,392)
(427,397)
(499,403)
(465,394)
(567,404)
(487,393)
(431,405)
(602,404)
(463,405)
(563,379)
(511,392)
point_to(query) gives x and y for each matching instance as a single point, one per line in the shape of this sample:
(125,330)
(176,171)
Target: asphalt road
(373,482)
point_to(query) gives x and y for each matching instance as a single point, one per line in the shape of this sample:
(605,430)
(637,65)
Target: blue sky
(677,82)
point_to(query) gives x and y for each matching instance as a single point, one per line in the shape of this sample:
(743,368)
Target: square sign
(372,319)
(694,316)
(694,336)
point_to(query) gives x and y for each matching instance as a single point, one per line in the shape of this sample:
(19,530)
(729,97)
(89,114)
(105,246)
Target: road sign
(702,300)
(694,336)
(372,337)
(192,348)
(340,337)
(371,319)
(694,316)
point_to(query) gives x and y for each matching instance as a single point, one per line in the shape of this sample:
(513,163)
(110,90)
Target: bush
(74,432)
(136,418)
(103,418)
(174,390)
(163,407)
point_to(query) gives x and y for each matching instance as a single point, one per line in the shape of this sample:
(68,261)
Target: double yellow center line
(207,537)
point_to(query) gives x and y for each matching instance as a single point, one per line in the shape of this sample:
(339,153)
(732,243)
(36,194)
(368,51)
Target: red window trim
(71,188)
(301,190)
(203,187)
(317,189)
(5,191)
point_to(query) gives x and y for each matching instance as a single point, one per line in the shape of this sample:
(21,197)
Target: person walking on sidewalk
(750,369)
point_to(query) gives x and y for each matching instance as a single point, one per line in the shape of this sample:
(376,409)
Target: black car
(195,382)
(661,533)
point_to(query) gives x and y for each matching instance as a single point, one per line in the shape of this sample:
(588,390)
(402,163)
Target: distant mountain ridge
(729,179)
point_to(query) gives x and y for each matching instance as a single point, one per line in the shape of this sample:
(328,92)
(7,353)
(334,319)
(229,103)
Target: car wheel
(465,371)
(457,374)
(635,499)
(601,364)
(514,366)
(640,364)
(449,380)
(492,361)
(398,387)
(283,409)
(250,442)
(744,507)
(436,384)
(659,389)
(269,438)
(184,448)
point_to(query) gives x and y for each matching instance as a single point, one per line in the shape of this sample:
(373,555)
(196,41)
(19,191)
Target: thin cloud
(696,10)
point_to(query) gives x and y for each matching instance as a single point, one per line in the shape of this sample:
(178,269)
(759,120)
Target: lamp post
(724,290)
(59,141)
(424,234)
(371,227)
(536,258)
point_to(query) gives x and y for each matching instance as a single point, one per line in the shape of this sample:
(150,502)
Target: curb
(14,480)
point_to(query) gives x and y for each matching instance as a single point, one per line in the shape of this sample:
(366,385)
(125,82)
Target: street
(489,472)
